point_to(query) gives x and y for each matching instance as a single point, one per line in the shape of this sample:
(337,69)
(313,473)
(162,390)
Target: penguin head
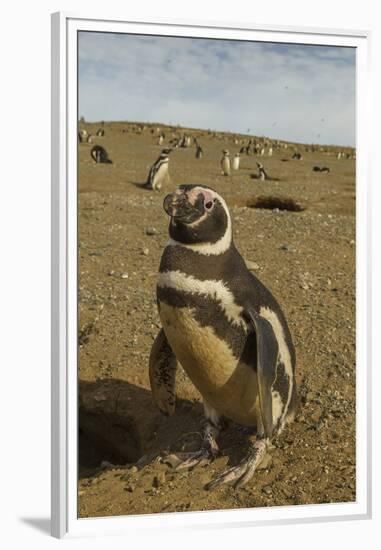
(198,215)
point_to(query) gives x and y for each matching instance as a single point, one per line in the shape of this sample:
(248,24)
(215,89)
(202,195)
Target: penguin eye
(209,205)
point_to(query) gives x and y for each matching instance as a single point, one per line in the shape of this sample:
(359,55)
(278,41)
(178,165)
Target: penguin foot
(241,474)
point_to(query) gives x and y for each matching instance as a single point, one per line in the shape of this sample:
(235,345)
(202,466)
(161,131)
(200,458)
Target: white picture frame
(65,522)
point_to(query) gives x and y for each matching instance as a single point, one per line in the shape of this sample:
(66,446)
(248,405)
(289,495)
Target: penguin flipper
(267,355)
(162,374)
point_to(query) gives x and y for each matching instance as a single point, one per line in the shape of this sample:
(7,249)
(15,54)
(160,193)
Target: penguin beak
(177,206)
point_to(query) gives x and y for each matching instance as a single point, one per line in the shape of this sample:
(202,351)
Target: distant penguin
(89,138)
(225,163)
(249,148)
(160,140)
(236,162)
(225,328)
(297,156)
(199,152)
(262,174)
(82,135)
(100,155)
(159,171)
(185,141)
(100,132)
(321,169)
(270,151)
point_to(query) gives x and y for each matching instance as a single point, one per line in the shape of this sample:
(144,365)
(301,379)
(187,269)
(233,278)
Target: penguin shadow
(140,185)
(268,178)
(119,423)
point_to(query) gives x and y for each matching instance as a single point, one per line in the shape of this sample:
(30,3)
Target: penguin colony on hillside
(258,147)
(226,330)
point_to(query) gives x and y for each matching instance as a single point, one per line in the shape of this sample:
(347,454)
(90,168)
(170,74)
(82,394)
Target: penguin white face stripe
(216,290)
(210,249)
(284,352)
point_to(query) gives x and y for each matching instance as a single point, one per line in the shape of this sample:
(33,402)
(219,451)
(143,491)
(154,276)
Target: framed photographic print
(210,275)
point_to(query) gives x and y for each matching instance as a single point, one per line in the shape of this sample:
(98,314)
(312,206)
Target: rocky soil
(306,258)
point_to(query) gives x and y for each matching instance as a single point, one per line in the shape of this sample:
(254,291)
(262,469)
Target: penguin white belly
(226,166)
(228,385)
(160,175)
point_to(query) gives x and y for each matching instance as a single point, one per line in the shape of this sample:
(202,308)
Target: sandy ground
(306,258)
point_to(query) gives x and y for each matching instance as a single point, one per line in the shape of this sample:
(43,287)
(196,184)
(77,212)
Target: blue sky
(285,91)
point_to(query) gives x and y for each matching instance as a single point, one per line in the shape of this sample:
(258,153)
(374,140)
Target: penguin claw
(231,476)
(241,474)
(198,458)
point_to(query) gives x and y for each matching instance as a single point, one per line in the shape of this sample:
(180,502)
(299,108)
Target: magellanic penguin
(262,174)
(225,163)
(100,155)
(236,162)
(199,152)
(224,327)
(159,171)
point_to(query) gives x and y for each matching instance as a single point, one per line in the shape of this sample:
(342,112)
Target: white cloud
(282,91)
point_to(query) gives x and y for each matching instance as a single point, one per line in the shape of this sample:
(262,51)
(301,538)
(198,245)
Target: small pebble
(151,231)
(267,490)
(124,275)
(251,265)
(287,248)
(310,395)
